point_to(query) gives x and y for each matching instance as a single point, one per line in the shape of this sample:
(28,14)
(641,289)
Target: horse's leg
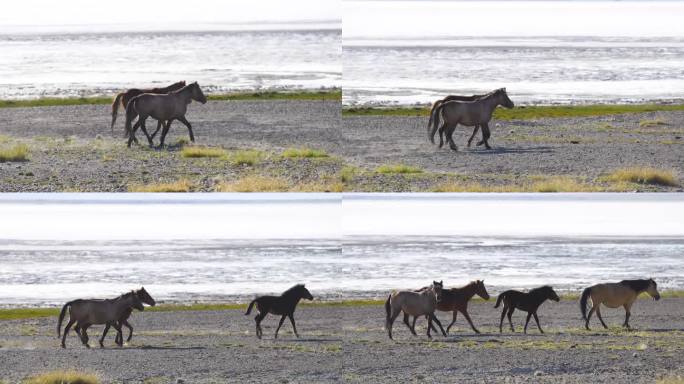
(258,319)
(393,317)
(436,320)
(527,321)
(280,324)
(163,135)
(430,317)
(119,333)
(183,120)
(470,321)
(536,319)
(406,321)
(66,330)
(470,140)
(144,129)
(598,314)
(450,136)
(84,335)
(130,329)
(78,330)
(503,314)
(453,320)
(441,132)
(591,312)
(510,314)
(159,125)
(294,327)
(104,333)
(413,326)
(131,135)
(485,136)
(628,313)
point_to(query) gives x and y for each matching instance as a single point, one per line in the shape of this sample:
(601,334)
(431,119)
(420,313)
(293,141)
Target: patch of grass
(333,348)
(18,152)
(561,184)
(254,184)
(644,175)
(156,380)
(671,380)
(347,173)
(528,112)
(27,313)
(198,151)
(397,168)
(182,185)
(326,94)
(247,157)
(652,123)
(307,153)
(318,187)
(28,330)
(63,377)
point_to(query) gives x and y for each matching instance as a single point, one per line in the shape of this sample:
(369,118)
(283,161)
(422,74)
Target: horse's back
(413,303)
(612,295)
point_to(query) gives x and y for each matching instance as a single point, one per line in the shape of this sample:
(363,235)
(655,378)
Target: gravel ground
(348,344)
(72,148)
(578,147)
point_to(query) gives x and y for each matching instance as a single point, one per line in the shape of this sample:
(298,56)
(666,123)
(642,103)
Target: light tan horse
(471,114)
(88,312)
(433,116)
(614,295)
(413,303)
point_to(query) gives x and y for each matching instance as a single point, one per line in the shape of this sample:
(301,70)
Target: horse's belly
(613,303)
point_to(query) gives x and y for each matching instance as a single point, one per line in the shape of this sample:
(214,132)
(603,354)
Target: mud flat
(348,344)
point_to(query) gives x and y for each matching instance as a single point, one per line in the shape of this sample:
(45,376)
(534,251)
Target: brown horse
(525,301)
(456,300)
(164,108)
(614,295)
(283,305)
(124,97)
(434,116)
(123,321)
(471,113)
(88,312)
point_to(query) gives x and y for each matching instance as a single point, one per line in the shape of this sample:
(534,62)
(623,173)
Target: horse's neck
(468,291)
(490,104)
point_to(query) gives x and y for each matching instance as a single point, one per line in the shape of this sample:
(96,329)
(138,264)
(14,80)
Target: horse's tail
(499,299)
(130,115)
(115,108)
(61,318)
(388,310)
(249,309)
(434,117)
(583,302)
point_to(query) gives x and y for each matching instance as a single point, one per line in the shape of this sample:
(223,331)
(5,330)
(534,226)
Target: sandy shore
(582,147)
(72,148)
(348,344)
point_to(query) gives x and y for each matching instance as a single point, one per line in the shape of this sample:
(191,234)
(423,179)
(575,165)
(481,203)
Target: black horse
(283,305)
(528,302)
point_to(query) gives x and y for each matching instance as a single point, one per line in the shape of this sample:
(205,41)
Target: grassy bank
(528,112)
(33,313)
(331,94)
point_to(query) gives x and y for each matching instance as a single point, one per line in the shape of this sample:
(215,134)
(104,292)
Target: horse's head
(480,289)
(304,293)
(437,287)
(551,294)
(652,289)
(502,98)
(136,302)
(145,297)
(197,94)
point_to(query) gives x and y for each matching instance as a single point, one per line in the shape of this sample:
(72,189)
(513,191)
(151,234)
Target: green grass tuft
(63,377)
(197,151)
(247,157)
(397,168)
(18,152)
(304,153)
(182,185)
(652,123)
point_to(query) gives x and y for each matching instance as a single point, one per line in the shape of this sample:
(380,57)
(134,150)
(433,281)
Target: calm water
(90,64)
(227,247)
(543,52)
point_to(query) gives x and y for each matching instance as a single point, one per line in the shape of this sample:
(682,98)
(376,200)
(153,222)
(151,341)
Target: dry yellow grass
(304,153)
(543,184)
(671,380)
(18,152)
(644,175)
(182,185)
(652,123)
(196,151)
(247,157)
(63,377)
(398,168)
(319,187)
(254,184)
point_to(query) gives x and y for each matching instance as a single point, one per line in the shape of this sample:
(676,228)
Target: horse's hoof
(63,346)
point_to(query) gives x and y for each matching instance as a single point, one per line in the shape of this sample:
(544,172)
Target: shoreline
(25,313)
(326,94)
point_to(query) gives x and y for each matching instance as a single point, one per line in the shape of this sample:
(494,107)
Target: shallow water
(543,52)
(228,247)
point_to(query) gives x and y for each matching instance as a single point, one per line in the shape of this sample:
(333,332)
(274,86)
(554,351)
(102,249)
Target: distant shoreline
(320,94)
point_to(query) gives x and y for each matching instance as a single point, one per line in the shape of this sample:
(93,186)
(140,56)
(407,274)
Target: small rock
(180,381)
(512,131)
(635,354)
(538,373)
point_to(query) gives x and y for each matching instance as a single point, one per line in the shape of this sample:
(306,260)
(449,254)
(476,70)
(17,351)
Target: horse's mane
(184,88)
(636,285)
(293,289)
(540,289)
